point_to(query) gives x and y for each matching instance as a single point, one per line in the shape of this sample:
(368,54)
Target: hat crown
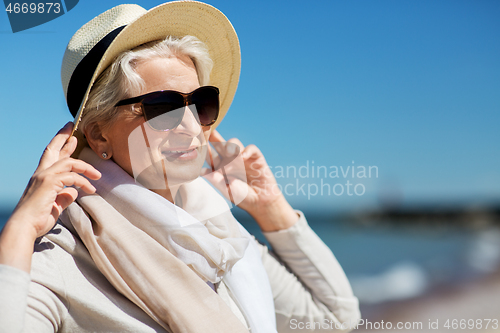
(91,33)
(96,44)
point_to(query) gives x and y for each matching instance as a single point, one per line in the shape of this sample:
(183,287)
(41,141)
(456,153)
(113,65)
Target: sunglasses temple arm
(211,158)
(228,187)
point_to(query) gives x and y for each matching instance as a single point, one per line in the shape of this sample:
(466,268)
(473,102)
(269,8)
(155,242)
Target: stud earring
(104,155)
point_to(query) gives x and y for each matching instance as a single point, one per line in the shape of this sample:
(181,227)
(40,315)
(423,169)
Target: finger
(251,152)
(63,200)
(216,137)
(68,148)
(66,197)
(217,142)
(227,149)
(61,137)
(52,150)
(73,165)
(73,179)
(234,147)
(214,154)
(56,211)
(226,152)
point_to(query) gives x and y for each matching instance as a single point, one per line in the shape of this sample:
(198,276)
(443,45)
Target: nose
(189,124)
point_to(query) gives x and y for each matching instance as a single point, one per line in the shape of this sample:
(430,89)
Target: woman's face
(161,159)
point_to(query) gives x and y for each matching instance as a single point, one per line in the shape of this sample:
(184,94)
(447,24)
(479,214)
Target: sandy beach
(478,299)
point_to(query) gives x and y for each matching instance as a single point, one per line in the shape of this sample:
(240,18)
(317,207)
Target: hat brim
(181,18)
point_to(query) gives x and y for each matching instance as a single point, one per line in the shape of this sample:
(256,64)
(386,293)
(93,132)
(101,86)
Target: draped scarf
(161,256)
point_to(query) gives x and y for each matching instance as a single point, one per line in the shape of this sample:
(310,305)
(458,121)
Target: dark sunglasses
(162,103)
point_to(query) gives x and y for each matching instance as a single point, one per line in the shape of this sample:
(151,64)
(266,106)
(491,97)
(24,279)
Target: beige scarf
(158,255)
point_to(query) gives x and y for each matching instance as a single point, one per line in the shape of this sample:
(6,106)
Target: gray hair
(120,80)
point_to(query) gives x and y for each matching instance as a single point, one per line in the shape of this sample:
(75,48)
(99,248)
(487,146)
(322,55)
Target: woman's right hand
(48,193)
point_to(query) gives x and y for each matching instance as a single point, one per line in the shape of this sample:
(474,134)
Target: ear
(98,141)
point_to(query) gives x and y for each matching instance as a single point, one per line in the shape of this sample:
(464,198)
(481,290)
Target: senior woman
(127,234)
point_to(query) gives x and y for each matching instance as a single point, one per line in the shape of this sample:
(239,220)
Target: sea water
(398,261)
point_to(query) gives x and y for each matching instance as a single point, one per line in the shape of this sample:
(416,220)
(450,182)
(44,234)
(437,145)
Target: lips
(181,153)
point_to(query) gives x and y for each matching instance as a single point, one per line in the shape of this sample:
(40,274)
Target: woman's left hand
(263,200)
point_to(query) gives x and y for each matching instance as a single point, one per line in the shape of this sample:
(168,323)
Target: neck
(168,193)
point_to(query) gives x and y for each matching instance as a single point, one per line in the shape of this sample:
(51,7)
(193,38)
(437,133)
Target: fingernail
(68,124)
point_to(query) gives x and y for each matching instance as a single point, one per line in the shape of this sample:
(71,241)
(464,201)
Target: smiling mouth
(179,151)
(182,154)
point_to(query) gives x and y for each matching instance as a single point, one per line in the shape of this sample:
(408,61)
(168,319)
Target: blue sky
(412,88)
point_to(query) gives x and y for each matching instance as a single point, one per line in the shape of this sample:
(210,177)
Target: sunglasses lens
(164,111)
(206,100)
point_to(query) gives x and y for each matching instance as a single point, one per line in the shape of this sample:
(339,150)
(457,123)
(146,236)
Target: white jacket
(66,292)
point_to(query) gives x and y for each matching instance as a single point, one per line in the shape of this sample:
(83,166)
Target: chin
(179,173)
(164,173)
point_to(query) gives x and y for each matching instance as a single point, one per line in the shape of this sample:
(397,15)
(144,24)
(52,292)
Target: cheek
(123,152)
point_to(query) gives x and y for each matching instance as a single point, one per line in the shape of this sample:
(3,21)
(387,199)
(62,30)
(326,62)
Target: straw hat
(95,45)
